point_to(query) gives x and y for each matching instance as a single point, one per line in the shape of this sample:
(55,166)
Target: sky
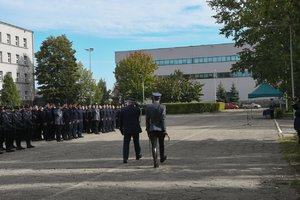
(115,25)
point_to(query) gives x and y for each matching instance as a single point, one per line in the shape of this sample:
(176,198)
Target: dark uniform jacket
(155,117)
(130,120)
(297,117)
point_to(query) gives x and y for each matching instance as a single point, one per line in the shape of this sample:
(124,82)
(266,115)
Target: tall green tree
(178,88)
(234,94)
(261,29)
(134,72)
(221,93)
(9,92)
(99,93)
(57,71)
(104,91)
(86,91)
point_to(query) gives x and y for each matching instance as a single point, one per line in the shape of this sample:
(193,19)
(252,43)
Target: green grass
(291,151)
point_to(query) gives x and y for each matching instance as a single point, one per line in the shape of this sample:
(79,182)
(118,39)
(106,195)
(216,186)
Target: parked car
(231,106)
(251,106)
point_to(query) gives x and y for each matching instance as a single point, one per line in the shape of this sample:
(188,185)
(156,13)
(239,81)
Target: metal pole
(215,87)
(143,85)
(90,62)
(291,54)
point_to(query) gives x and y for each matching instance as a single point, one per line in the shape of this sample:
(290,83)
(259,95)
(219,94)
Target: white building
(17,58)
(209,64)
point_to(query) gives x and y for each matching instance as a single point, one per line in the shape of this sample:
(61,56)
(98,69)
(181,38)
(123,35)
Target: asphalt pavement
(228,155)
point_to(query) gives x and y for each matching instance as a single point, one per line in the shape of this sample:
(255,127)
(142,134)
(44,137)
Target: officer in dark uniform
(19,126)
(80,121)
(28,125)
(130,128)
(297,116)
(156,127)
(89,119)
(2,138)
(67,122)
(7,122)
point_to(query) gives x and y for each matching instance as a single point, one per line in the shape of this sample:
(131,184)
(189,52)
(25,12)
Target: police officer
(156,127)
(130,128)
(28,125)
(8,129)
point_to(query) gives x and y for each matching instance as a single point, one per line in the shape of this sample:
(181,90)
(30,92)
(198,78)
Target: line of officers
(54,122)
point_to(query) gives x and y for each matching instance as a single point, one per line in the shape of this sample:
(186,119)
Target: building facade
(17,58)
(208,64)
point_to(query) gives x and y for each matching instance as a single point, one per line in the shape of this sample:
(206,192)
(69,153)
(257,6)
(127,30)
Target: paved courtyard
(210,156)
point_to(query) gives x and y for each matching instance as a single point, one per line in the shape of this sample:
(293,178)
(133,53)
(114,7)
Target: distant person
(272,108)
(156,127)
(129,122)
(297,116)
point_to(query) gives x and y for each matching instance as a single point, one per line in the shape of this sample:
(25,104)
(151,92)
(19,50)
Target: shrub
(185,108)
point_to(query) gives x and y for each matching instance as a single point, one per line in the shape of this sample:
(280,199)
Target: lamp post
(291,56)
(90,52)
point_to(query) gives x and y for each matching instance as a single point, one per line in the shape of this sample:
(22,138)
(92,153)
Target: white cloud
(109,18)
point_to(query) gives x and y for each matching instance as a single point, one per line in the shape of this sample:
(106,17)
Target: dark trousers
(95,126)
(126,142)
(19,134)
(80,128)
(9,139)
(159,136)
(28,136)
(58,132)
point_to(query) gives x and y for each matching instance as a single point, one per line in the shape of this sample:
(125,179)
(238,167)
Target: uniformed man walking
(130,128)
(156,127)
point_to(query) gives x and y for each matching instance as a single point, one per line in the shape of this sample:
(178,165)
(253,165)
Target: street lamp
(90,52)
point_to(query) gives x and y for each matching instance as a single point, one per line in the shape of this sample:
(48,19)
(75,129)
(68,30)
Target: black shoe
(1,152)
(156,165)
(80,136)
(139,157)
(163,159)
(9,150)
(30,146)
(20,148)
(2,149)
(124,161)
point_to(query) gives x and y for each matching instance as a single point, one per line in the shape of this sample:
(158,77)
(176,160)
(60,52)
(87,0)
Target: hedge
(185,108)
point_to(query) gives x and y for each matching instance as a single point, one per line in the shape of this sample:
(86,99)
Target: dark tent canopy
(265,90)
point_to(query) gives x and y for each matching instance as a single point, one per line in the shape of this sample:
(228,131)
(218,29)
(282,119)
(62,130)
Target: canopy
(265,90)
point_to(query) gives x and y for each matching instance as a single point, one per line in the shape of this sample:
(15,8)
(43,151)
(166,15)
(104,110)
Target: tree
(104,91)
(136,70)
(57,71)
(221,93)
(177,88)
(261,29)
(86,91)
(9,92)
(234,94)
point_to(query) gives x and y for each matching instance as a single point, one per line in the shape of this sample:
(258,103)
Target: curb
(279,131)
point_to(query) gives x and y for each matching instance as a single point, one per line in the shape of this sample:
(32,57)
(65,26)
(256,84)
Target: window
(17,41)
(8,39)
(0,56)
(26,95)
(18,77)
(0,37)
(25,42)
(189,61)
(17,58)
(25,78)
(9,57)
(25,60)
(1,75)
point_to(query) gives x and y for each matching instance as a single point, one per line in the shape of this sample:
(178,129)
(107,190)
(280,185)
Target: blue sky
(115,25)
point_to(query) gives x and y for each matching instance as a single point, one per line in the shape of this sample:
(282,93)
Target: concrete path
(210,156)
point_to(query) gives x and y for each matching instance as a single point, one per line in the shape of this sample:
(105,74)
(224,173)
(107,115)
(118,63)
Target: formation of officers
(53,122)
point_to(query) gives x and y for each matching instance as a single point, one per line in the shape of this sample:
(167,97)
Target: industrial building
(208,64)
